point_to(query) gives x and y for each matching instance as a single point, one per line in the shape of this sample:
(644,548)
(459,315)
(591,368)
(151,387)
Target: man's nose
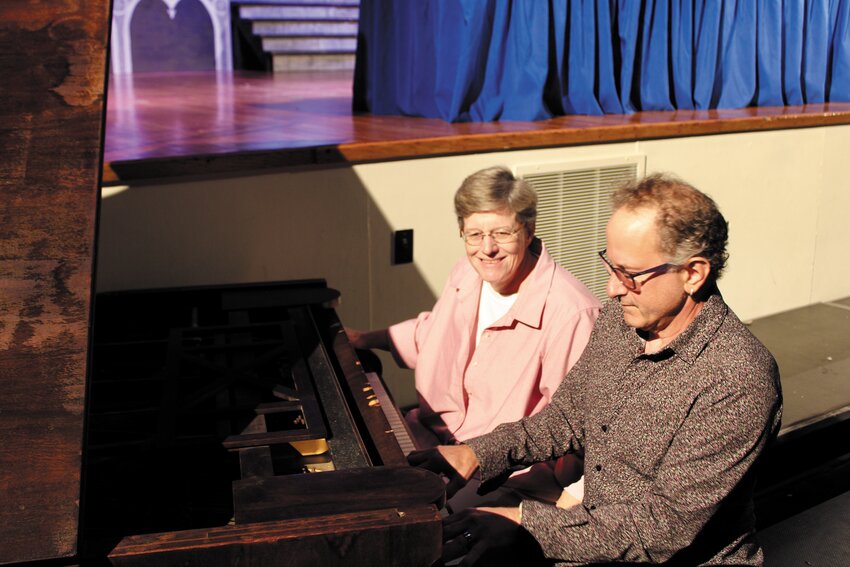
(615,287)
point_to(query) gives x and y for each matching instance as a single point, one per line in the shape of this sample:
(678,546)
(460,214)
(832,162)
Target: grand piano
(234,425)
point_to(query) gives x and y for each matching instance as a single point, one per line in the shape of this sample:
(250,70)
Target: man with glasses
(670,405)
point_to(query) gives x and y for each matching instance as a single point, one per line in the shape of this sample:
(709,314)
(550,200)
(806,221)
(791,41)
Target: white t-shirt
(491,307)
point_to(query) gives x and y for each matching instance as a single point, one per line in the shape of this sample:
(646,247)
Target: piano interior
(216,408)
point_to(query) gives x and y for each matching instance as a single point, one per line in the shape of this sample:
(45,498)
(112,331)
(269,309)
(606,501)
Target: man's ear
(698,269)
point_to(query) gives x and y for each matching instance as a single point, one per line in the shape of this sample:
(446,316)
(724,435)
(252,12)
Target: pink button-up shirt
(520,360)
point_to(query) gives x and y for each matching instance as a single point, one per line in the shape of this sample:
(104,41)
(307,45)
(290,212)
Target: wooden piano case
(235,425)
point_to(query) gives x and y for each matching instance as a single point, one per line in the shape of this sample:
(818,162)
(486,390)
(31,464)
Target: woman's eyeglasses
(500,236)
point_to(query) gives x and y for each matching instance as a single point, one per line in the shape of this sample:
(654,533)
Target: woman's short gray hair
(688,221)
(494,189)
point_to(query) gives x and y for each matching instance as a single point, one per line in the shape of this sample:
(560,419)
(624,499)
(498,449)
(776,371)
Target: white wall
(770,187)
(831,272)
(262,228)
(786,194)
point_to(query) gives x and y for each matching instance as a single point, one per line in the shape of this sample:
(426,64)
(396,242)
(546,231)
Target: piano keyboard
(393,415)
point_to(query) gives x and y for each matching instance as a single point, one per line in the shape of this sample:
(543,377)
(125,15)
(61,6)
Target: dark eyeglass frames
(628,278)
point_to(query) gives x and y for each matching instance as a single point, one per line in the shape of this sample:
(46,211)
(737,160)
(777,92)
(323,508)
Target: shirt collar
(534,291)
(693,340)
(696,336)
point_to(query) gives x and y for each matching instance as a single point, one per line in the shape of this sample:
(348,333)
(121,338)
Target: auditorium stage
(164,126)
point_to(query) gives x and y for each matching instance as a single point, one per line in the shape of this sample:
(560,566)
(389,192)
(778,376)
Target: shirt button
(604,429)
(598,468)
(593,506)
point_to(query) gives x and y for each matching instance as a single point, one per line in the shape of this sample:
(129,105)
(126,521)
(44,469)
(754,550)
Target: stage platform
(812,349)
(166,126)
(809,464)
(816,537)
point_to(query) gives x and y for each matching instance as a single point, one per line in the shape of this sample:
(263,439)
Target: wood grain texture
(377,537)
(52,63)
(210,125)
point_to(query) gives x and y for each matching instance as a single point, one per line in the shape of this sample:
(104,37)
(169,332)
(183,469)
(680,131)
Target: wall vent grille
(573,209)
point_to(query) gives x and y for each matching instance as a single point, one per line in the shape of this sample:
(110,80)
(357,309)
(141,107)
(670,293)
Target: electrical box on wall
(402,252)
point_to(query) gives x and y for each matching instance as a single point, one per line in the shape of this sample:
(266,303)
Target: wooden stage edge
(347,138)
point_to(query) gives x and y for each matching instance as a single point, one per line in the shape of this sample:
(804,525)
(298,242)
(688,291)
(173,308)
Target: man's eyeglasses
(500,235)
(628,278)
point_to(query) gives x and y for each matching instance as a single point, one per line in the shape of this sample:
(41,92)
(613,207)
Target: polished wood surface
(53,68)
(165,126)
(383,537)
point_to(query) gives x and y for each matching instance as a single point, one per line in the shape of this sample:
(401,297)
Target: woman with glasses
(507,327)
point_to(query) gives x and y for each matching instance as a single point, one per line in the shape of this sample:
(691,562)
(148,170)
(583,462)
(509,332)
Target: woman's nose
(488,244)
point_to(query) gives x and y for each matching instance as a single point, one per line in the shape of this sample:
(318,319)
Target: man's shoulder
(737,342)
(611,314)
(739,359)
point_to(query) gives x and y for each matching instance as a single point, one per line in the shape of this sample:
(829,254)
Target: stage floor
(182,114)
(162,126)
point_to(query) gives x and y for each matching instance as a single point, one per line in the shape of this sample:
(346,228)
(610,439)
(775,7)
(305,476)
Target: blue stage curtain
(483,60)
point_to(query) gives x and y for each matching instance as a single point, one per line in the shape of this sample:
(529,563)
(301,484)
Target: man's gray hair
(689,222)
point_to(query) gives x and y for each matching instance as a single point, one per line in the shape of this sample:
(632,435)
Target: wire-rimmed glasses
(500,236)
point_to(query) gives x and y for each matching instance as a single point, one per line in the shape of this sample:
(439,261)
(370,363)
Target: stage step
(299,2)
(297,35)
(281,11)
(322,28)
(313,62)
(300,45)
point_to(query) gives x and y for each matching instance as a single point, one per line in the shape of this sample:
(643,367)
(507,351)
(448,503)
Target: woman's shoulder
(462,278)
(461,272)
(568,286)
